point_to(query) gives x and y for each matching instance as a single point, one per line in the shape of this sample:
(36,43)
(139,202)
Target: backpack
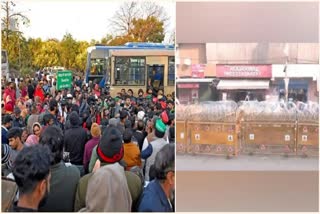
(8,193)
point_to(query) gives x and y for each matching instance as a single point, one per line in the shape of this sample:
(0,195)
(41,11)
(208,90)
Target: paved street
(255,163)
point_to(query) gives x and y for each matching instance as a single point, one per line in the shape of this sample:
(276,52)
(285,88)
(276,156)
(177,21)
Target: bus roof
(134,45)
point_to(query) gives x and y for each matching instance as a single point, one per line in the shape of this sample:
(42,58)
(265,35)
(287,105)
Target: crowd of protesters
(80,149)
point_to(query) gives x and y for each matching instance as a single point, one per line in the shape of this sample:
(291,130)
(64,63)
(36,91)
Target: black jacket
(74,141)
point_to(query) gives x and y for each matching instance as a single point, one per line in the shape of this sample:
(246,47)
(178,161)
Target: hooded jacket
(133,182)
(114,196)
(75,139)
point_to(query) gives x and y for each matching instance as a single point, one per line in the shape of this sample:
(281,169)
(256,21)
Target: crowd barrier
(212,129)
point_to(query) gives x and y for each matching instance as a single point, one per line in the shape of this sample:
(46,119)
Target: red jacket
(11,93)
(39,93)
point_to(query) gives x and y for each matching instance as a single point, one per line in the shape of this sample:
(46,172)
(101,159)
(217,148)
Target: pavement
(187,162)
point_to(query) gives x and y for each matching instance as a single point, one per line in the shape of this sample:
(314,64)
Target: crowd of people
(81,149)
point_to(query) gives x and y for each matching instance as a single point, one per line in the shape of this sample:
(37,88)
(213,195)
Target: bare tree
(10,15)
(121,22)
(149,8)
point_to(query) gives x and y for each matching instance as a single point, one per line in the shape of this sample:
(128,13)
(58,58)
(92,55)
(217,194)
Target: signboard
(188,85)
(64,79)
(197,70)
(244,71)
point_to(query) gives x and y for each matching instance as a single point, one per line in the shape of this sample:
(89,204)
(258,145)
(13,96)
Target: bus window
(129,71)
(171,71)
(98,66)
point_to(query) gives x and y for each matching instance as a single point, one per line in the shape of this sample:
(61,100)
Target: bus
(133,65)
(4,64)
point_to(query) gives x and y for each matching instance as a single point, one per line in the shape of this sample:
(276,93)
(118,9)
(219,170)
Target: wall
(195,52)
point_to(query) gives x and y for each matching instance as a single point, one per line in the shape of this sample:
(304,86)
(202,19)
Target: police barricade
(181,129)
(212,128)
(267,128)
(308,130)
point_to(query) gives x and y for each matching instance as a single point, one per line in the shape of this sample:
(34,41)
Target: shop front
(243,82)
(303,82)
(191,90)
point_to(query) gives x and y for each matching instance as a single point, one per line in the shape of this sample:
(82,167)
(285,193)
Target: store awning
(188,85)
(243,84)
(194,80)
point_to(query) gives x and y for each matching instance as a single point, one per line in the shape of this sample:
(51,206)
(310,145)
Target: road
(188,162)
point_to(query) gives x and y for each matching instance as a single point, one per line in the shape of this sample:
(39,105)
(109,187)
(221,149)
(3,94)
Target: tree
(121,22)
(147,30)
(69,51)
(35,45)
(81,58)
(49,54)
(10,17)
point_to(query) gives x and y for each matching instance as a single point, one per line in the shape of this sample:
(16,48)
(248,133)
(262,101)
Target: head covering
(35,124)
(115,196)
(69,96)
(123,114)
(164,117)
(160,126)
(140,115)
(95,130)
(17,110)
(74,119)
(110,148)
(113,122)
(163,104)
(5,153)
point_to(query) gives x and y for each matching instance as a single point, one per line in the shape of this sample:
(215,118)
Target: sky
(84,19)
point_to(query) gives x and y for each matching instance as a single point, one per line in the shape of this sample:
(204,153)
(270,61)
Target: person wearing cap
(110,152)
(17,119)
(95,133)
(158,195)
(64,177)
(157,143)
(6,125)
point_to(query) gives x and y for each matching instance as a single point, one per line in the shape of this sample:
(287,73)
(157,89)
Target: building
(239,71)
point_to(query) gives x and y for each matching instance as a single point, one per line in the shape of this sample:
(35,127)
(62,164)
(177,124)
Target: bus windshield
(98,66)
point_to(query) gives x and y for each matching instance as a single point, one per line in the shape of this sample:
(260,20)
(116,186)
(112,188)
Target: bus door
(156,76)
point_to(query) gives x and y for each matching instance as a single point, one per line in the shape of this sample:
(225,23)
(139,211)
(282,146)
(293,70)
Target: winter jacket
(63,186)
(133,182)
(154,199)
(88,151)
(157,144)
(75,139)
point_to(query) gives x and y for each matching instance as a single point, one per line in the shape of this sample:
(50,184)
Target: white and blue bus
(133,65)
